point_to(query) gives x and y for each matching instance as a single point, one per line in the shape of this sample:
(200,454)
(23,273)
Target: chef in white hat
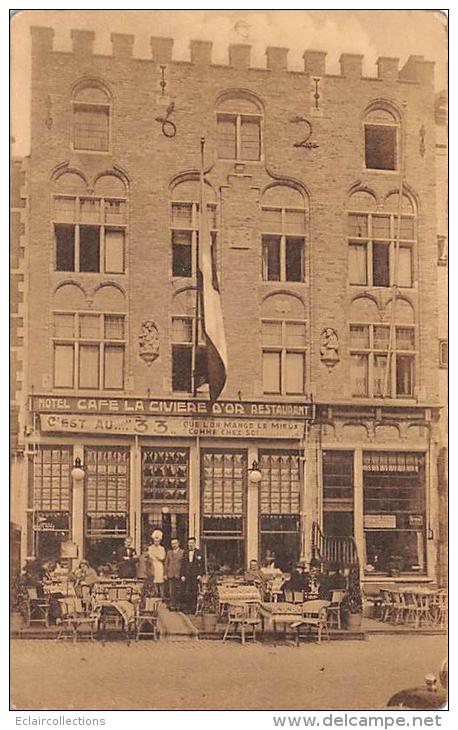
(156,553)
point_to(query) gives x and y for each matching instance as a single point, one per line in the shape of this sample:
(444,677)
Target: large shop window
(49,508)
(394,512)
(107,502)
(338,493)
(165,489)
(89,350)
(224,484)
(382,361)
(279,521)
(90,234)
(381,250)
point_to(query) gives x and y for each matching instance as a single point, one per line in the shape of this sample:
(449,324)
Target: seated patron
(255,576)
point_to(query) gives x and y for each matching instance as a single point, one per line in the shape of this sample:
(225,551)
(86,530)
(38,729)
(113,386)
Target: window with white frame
(283,227)
(239,129)
(382,360)
(90,233)
(381,132)
(283,356)
(89,350)
(185,232)
(381,249)
(91,119)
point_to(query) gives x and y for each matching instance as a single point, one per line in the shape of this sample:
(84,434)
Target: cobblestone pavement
(212,675)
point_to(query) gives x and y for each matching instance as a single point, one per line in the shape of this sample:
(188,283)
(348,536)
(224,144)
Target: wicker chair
(242,617)
(314,618)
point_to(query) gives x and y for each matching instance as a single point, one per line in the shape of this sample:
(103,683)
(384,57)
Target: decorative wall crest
(329,347)
(148,342)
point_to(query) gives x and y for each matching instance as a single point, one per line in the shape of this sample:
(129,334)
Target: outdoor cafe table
(237,594)
(279,613)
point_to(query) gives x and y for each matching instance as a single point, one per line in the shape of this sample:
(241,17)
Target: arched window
(283,234)
(185,226)
(381,131)
(284,343)
(382,357)
(238,119)
(90,230)
(91,117)
(381,247)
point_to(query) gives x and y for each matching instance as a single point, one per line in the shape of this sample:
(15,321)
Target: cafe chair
(36,609)
(75,622)
(242,618)
(334,609)
(418,608)
(439,609)
(314,618)
(119,593)
(386,605)
(201,590)
(146,618)
(275,589)
(400,609)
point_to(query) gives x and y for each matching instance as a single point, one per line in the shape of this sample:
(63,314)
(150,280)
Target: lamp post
(78,475)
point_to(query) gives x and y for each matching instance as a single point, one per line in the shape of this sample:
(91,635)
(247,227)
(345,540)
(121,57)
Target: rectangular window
(294,259)
(380,146)
(181,253)
(359,375)
(165,474)
(404,375)
(380,264)
(358,263)
(405,266)
(49,501)
(89,248)
(271,372)
(295,373)
(63,366)
(64,236)
(443,353)
(226,137)
(91,128)
(338,493)
(271,257)
(370,375)
(88,366)
(113,367)
(181,368)
(250,142)
(114,251)
(182,355)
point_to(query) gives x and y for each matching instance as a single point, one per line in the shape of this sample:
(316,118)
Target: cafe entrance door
(172,521)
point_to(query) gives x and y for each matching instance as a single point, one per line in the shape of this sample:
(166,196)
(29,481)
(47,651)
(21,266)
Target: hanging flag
(212,313)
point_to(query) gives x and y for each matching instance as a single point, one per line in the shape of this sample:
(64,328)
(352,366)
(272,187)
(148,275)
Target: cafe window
(381,133)
(338,493)
(165,474)
(239,128)
(106,502)
(279,506)
(223,485)
(394,512)
(49,507)
(89,350)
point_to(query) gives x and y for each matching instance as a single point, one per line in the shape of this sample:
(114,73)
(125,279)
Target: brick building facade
(328,294)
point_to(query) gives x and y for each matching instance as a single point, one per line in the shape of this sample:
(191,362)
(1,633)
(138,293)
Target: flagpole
(198,277)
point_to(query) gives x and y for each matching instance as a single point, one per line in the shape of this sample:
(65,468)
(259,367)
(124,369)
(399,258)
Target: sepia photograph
(229,360)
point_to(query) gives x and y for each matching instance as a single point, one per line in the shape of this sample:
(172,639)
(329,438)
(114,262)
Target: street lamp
(78,472)
(254,475)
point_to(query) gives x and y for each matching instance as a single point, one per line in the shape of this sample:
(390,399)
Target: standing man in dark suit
(172,566)
(192,568)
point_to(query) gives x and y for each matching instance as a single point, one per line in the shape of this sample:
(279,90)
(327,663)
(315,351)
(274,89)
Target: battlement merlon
(415,70)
